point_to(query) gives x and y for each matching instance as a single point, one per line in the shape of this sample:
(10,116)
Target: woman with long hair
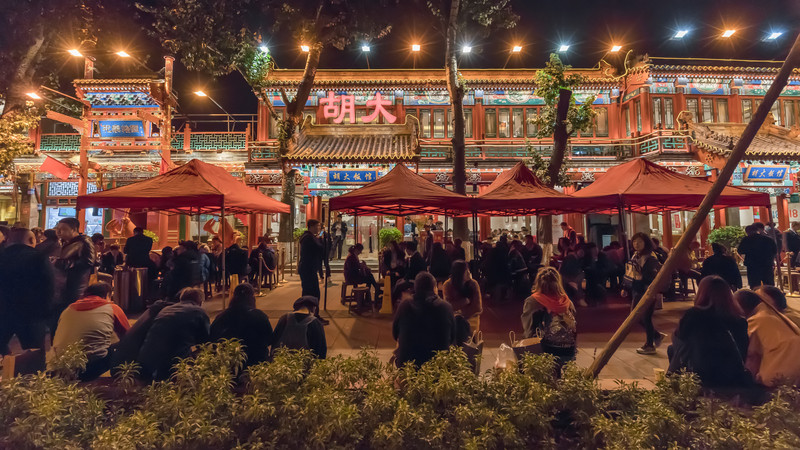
(463,294)
(243,321)
(640,271)
(440,262)
(711,339)
(549,313)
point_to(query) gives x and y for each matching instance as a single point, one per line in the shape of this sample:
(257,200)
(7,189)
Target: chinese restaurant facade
(359,123)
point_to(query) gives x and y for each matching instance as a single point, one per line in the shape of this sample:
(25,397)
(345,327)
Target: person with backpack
(711,339)
(549,313)
(301,329)
(640,272)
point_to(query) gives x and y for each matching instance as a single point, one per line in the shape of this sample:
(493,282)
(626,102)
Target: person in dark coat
(73,267)
(302,328)
(186,270)
(338,235)
(457,252)
(711,339)
(311,255)
(128,347)
(265,253)
(111,259)
(173,333)
(243,321)
(356,272)
(236,261)
(722,265)
(137,249)
(50,247)
(27,286)
(792,240)
(645,267)
(440,262)
(759,253)
(415,262)
(423,325)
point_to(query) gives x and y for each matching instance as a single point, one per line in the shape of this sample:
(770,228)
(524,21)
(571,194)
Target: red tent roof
(646,187)
(195,187)
(517,192)
(401,192)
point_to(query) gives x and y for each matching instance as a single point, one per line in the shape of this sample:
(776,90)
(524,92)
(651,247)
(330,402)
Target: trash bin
(139,286)
(122,287)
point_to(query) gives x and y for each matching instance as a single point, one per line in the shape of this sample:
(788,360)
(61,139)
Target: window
(503,125)
(626,113)
(638,106)
(722,110)
(519,123)
(788,113)
(530,114)
(491,122)
(747,110)
(669,114)
(425,122)
(657,117)
(708,109)
(468,123)
(438,123)
(450,122)
(776,111)
(601,122)
(691,105)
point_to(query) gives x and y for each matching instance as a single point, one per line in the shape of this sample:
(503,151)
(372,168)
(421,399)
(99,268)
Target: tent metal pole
(224,250)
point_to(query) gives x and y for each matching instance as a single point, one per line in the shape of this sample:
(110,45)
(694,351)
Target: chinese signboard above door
(352,176)
(342,108)
(765,173)
(121,128)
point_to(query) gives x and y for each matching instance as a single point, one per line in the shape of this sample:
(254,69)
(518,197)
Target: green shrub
(298,232)
(389,234)
(730,237)
(297,401)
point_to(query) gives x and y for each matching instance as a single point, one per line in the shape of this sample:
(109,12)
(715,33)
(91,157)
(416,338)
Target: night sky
(590,27)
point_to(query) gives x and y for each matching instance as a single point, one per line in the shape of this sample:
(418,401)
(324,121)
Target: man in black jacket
(722,265)
(187,271)
(236,261)
(338,235)
(311,255)
(27,286)
(73,267)
(759,257)
(792,240)
(137,249)
(416,263)
(268,256)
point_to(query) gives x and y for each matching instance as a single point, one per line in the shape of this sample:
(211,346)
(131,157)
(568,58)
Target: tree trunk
(456,91)
(294,117)
(545,228)
(665,274)
(26,68)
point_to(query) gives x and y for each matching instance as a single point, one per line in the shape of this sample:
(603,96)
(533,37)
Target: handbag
(633,272)
(473,348)
(532,345)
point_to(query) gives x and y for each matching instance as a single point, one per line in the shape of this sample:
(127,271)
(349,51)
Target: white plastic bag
(505,357)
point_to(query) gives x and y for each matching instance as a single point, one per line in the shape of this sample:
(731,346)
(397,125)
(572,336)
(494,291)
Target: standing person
(236,261)
(424,325)
(27,286)
(415,263)
(640,272)
(533,253)
(792,239)
(267,255)
(550,313)
(570,234)
(137,249)
(338,235)
(309,267)
(722,265)
(660,252)
(173,333)
(772,232)
(51,246)
(301,328)
(243,321)
(458,252)
(440,262)
(759,257)
(711,339)
(463,293)
(73,267)
(92,321)
(38,234)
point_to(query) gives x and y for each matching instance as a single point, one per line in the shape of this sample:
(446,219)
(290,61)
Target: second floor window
(663,113)
(692,106)
(747,110)
(491,122)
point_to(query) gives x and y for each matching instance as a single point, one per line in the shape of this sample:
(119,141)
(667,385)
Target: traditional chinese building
(360,122)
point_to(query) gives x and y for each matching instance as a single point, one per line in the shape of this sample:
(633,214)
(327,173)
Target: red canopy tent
(645,187)
(517,192)
(193,188)
(402,192)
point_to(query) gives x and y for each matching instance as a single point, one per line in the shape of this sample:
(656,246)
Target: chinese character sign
(121,128)
(765,173)
(352,176)
(343,107)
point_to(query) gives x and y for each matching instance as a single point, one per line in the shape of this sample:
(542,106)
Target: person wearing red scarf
(550,314)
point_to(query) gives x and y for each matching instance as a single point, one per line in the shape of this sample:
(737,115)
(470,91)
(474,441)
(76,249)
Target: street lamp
(774,35)
(34,95)
(680,34)
(728,33)
(264,48)
(563,48)
(123,54)
(74,52)
(365,50)
(415,48)
(616,48)
(305,48)
(466,49)
(516,49)
(200,93)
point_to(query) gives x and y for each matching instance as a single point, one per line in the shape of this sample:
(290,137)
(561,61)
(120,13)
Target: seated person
(711,339)
(423,325)
(175,330)
(301,329)
(403,291)
(464,294)
(111,259)
(548,312)
(243,321)
(722,265)
(777,299)
(92,320)
(357,272)
(773,354)
(127,349)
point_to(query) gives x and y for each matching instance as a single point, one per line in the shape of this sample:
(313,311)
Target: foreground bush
(299,402)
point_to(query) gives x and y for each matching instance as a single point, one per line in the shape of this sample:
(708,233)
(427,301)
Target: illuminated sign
(121,128)
(341,107)
(765,173)
(352,176)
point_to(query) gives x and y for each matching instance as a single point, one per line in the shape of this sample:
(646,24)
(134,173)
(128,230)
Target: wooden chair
(361,296)
(348,299)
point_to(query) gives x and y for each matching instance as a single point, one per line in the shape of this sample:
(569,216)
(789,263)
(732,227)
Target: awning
(359,143)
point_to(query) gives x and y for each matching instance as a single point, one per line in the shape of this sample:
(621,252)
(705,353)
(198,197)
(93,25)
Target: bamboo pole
(664,275)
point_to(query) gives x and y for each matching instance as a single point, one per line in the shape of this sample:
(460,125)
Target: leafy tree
(223,37)
(455,19)
(14,139)
(550,83)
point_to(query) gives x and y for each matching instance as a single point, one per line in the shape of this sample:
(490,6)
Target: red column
(719,218)
(763,214)
(783,212)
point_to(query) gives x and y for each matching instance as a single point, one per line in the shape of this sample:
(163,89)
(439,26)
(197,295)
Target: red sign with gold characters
(341,107)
